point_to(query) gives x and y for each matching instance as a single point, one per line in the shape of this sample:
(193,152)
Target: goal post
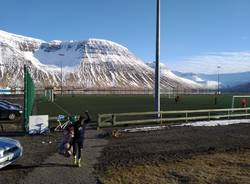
(238,96)
(48,94)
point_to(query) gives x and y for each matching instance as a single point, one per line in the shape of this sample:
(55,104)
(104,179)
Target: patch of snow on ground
(216,123)
(198,123)
(144,129)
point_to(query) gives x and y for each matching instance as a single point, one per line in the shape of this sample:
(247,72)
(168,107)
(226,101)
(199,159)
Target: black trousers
(77,145)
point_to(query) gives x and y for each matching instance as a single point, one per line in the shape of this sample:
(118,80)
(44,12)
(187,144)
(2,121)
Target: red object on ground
(244,102)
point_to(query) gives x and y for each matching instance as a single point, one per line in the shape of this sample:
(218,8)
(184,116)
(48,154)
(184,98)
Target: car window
(4,106)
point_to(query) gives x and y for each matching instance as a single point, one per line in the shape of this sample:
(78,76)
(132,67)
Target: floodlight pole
(61,80)
(157,103)
(218,86)
(61,74)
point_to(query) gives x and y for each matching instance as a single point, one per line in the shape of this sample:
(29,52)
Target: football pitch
(96,104)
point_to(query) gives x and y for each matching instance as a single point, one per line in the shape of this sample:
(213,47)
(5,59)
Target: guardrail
(135,118)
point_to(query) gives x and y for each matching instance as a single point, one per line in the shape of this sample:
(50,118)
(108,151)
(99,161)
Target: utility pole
(61,74)
(61,80)
(218,80)
(157,103)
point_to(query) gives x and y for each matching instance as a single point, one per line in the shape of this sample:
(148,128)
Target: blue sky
(193,32)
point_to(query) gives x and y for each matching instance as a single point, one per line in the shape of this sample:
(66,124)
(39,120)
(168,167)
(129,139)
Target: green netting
(29,96)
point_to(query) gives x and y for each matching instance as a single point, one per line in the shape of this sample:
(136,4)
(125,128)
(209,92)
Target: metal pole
(218,90)
(61,74)
(61,79)
(157,61)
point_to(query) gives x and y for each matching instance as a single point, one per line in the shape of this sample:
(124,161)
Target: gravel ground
(42,164)
(169,155)
(173,143)
(105,157)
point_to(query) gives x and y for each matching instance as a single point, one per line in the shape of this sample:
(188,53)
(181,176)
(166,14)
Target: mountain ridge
(227,80)
(91,63)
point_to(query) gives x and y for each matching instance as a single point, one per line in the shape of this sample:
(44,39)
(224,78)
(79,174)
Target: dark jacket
(79,128)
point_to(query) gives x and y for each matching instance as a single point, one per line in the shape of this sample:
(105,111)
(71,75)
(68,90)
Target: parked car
(10,151)
(7,112)
(7,106)
(17,106)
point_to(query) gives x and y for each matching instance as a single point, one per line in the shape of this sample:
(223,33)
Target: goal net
(236,100)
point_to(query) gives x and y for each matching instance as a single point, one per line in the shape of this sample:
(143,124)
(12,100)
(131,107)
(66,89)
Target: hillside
(92,63)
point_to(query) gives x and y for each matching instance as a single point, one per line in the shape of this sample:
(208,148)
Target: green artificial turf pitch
(127,103)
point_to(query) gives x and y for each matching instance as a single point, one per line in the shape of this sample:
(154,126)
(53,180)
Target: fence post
(161,118)
(209,115)
(113,119)
(186,116)
(98,122)
(246,113)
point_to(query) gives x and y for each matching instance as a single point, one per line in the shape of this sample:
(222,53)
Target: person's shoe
(75,161)
(79,163)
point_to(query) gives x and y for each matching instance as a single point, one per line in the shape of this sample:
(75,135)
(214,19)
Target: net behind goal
(234,98)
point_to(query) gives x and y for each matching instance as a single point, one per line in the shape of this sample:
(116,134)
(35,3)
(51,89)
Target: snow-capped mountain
(93,63)
(188,78)
(168,73)
(227,80)
(202,79)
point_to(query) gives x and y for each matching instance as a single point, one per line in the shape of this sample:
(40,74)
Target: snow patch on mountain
(59,53)
(167,72)
(198,78)
(194,81)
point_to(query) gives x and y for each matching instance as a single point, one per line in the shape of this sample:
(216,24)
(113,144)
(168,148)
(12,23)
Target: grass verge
(226,167)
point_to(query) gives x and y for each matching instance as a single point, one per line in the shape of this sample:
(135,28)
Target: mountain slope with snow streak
(200,79)
(93,63)
(168,73)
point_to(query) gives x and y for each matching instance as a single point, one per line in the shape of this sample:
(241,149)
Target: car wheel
(12,116)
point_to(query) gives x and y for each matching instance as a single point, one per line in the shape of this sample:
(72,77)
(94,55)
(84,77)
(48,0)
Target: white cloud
(230,62)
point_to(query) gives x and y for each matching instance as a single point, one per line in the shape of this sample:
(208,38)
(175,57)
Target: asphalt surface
(42,164)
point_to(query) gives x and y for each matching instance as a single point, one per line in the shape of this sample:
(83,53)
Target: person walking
(78,139)
(244,102)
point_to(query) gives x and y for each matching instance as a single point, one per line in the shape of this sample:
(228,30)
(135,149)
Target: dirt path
(58,169)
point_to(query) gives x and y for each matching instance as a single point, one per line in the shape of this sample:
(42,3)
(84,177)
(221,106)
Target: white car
(10,151)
